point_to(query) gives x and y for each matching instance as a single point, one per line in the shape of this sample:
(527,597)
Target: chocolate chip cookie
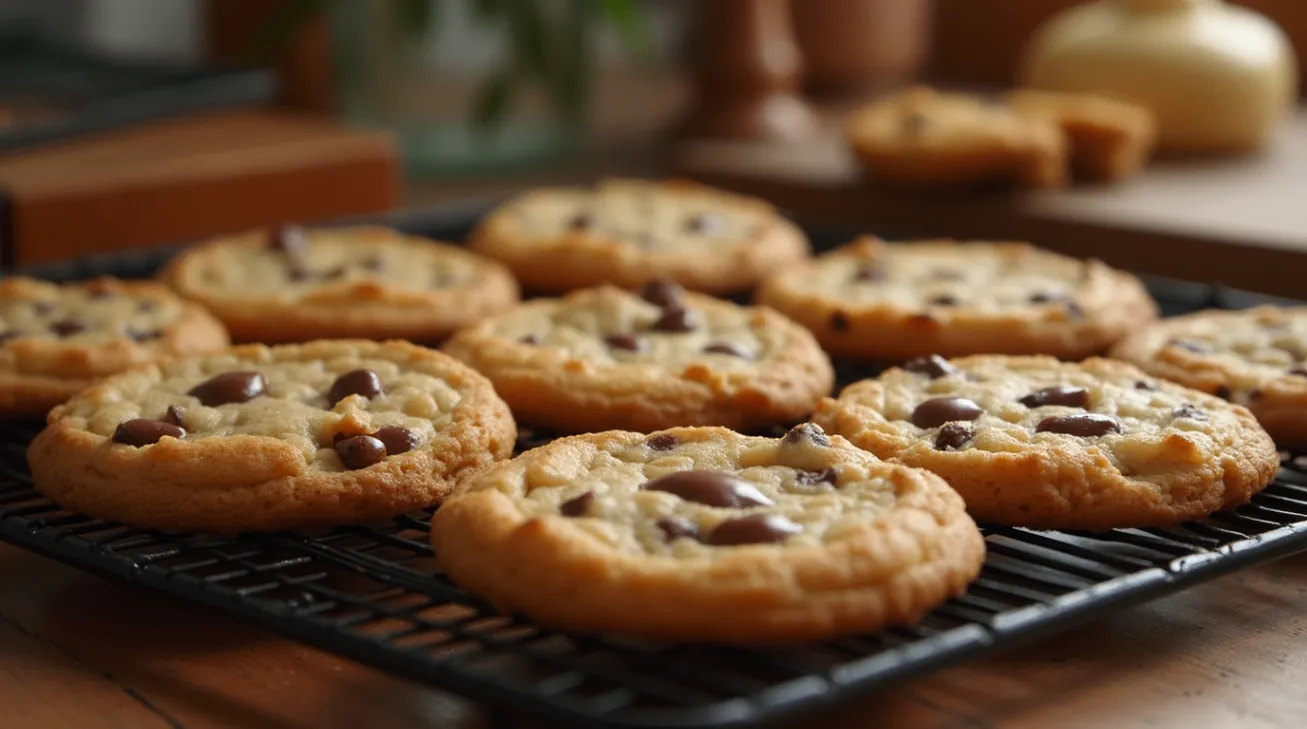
(880,301)
(703,534)
(926,137)
(607,358)
(264,438)
(56,340)
(1255,357)
(291,284)
(1031,441)
(1110,139)
(626,232)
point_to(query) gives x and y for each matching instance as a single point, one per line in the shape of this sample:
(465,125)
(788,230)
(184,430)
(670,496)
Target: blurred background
(127,123)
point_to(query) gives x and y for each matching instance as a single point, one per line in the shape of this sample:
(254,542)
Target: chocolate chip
(705,224)
(355,382)
(142,432)
(6,336)
(1068,395)
(663,292)
(944,300)
(577,506)
(297,272)
(937,411)
(143,335)
(953,436)
(812,478)
(933,365)
(806,433)
(581,221)
(101,294)
(1255,394)
(1193,412)
(230,387)
(1082,425)
(1223,392)
(531,339)
(839,321)
(869,273)
(1192,346)
(1299,371)
(711,488)
(662,442)
(678,527)
(360,451)
(337,272)
(1044,297)
(374,262)
(627,342)
(730,349)
(397,440)
(753,529)
(289,239)
(1073,310)
(173,415)
(68,326)
(1145,385)
(677,321)
(147,306)
(41,308)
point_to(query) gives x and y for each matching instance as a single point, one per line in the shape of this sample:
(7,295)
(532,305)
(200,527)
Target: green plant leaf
(493,98)
(626,15)
(530,39)
(414,20)
(288,18)
(487,11)
(574,76)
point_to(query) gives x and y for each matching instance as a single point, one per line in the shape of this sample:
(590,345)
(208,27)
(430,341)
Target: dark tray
(49,93)
(374,595)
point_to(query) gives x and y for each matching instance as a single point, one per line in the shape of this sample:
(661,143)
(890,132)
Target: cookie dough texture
(60,339)
(883,301)
(294,285)
(1254,357)
(925,137)
(269,463)
(600,359)
(570,535)
(626,232)
(1175,453)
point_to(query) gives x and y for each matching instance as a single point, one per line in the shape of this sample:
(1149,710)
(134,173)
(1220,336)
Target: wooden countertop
(1240,221)
(78,652)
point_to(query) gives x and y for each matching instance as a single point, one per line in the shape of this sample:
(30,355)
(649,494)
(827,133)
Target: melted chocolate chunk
(954,436)
(173,414)
(1192,346)
(937,411)
(142,432)
(230,387)
(676,321)
(730,349)
(577,506)
(360,451)
(297,272)
(68,326)
(663,292)
(147,306)
(678,527)
(1081,425)
(1193,412)
(373,262)
(142,335)
(945,300)
(531,339)
(1043,297)
(289,239)
(1223,392)
(869,273)
(397,440)
(627,342)
(41,308)
(581,221)
(812,478)
(1299,371)
(6,336)
(705,224)
(1145,385)
(662,442)
(933,365)
(710,488)
(839,321)
(337,272)
(753,529)
(1067,395)
(1255,394)
(806,433)
(355,382)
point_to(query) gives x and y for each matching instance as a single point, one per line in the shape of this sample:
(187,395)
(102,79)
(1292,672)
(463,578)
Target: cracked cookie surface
(627,232)
(292,284)
(706,534)
(56,340)
(1030,441)
(893,301)
(1255,357)
(605,358)
(260,438)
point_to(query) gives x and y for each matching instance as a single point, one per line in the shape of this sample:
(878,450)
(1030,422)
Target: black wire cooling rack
(373,593)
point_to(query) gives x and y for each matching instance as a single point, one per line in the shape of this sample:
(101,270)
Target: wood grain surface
(77,652)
